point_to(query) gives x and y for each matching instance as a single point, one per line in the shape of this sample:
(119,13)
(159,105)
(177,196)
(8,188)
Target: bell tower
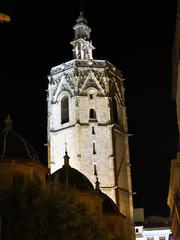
(86,110)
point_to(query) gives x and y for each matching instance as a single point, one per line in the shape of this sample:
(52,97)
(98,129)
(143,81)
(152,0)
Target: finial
(81,18)
(66,157)
(97,183)
(8,122)
(66,164)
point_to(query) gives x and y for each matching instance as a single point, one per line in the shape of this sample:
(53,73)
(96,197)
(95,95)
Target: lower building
(152,227)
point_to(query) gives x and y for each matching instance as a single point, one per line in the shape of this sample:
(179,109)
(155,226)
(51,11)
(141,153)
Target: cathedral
(87,136)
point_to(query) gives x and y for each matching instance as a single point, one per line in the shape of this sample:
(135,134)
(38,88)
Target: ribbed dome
(71,177)
(13,145)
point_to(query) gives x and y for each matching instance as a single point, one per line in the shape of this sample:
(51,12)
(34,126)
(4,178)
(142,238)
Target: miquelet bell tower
(86,111)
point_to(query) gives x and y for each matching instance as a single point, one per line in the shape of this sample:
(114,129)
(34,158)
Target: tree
(56,214)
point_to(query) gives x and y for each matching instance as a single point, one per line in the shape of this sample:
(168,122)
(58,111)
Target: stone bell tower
(86,111)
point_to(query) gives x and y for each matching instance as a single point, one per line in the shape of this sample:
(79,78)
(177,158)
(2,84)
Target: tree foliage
(53,214)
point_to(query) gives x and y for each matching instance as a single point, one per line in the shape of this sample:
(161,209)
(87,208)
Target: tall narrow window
(94,150)
(64,109)
(92,113)
(91,96)
(93,131)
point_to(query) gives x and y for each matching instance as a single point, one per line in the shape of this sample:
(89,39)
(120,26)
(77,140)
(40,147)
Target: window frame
(64,109)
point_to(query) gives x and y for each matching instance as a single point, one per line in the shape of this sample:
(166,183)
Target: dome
(71,177)
(109,206)
(14,146)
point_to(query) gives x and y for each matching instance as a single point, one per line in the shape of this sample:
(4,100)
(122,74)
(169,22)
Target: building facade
(86,111)
(152,227)
(173,200)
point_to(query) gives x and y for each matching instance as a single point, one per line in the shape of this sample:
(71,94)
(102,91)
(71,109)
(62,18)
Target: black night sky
(135,36)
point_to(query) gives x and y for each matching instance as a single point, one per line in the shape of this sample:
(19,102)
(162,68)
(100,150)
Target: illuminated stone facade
(173,200)
(151,228)
(156,230)
(86,111)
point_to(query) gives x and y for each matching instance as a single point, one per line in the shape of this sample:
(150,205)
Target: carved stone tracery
(77,79)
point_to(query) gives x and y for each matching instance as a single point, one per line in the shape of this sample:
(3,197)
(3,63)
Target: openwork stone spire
(82,46)
(81,28)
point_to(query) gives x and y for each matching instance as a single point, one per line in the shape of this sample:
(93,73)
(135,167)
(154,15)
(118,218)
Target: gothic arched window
(92,113)
(92,92)
(64,109)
